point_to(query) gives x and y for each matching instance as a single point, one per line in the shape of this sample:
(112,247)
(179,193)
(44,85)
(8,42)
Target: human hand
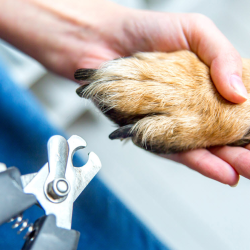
(198,34)
(67,35)
(146,32)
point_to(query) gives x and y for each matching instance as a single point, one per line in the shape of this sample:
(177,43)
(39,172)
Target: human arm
(67,35)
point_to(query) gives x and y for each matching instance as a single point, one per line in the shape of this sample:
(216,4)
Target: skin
(66,35)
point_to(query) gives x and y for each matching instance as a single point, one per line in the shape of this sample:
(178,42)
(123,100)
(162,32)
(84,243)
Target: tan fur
(171,100)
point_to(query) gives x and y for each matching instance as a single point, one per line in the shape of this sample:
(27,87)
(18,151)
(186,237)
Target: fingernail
(235,185)
(238,86)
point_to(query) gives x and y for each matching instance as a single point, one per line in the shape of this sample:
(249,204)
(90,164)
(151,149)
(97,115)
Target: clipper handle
(13,201)
(47,235)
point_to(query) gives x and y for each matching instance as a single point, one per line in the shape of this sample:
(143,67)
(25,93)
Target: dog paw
(166,102)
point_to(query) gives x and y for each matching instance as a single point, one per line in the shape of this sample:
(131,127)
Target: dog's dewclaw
(170,100)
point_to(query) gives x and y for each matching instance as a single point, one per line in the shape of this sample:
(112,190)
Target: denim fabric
(103,221)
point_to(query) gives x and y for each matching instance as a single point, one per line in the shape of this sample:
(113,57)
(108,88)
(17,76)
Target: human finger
(225,63)
(237,157)
(208,164)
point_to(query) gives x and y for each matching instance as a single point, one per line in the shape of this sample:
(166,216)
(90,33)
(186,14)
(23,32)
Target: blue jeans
(103,221)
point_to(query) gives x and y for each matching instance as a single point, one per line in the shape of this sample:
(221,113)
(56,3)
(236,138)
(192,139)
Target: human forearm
(59,34)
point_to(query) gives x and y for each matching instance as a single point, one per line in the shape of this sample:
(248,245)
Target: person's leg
(103,221)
